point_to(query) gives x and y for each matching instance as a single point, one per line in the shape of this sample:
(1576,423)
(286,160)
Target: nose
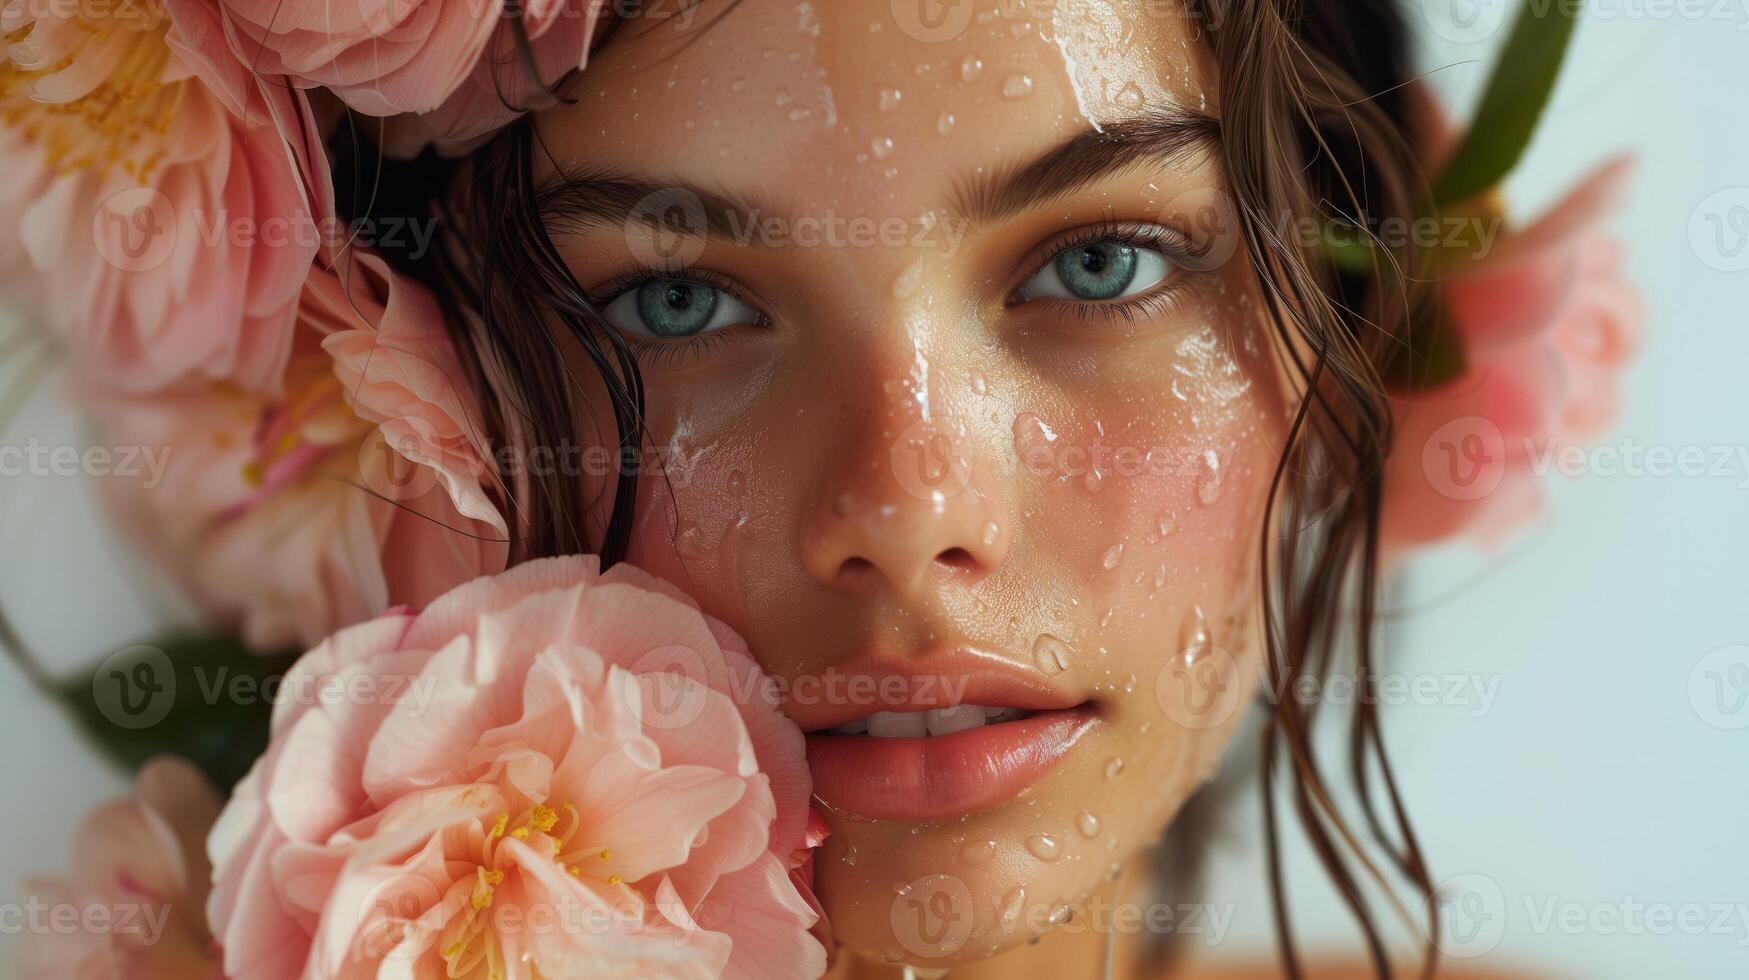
(906,510)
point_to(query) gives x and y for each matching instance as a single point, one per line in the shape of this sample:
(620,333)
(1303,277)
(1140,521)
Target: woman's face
(964,402)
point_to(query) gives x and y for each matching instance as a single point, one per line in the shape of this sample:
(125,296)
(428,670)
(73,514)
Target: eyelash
(1158,302)
(671,352)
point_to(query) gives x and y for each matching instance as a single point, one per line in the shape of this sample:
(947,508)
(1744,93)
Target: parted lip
(878,681)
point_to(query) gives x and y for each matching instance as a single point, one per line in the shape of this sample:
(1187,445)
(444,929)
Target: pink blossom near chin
(162,226)
(364,485)
(458,63)
(571,773)
(1547,321)
(140,876)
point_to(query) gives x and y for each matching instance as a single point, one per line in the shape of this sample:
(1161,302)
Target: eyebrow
(575,198)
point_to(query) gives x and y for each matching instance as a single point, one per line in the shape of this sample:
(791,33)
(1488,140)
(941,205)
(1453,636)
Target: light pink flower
(139,883)
(458,61)
(362,486)
(162,226)
(1547,322)
(581,775)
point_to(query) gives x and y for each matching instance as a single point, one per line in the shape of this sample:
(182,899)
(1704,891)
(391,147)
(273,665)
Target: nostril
(957,558)
(855,568)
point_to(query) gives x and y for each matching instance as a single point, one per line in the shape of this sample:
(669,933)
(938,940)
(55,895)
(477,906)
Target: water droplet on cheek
(1017,86)
(1209,480)
(890,99)
(1113,555)
(1114,767)
(1043,846)
(1051,654)
(689,542)
(737,483)
(1012,904)
(992,531)
(1031,434)
(971,68)
(1165,524)
(944,123)
(850,855)
(978,851)
(882,147)
(1088,824)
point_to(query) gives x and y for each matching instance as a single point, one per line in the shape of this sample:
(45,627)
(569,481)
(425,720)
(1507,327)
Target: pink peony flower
(139,884)
(164,228)
(362,486)
(579,774)
(1547,323)
(459,62)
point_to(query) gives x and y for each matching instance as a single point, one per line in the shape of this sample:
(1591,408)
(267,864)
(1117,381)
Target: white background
(1591,785)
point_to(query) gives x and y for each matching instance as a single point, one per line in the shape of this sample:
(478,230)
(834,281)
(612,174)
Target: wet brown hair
(1315,122)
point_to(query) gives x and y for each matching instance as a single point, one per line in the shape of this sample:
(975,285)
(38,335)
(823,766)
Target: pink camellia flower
(460,62)
(162,226)
(1547,322)
(362,486)
(554,772)
(139,886)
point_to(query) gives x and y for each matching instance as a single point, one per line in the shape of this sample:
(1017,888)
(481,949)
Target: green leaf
(1436,356)
(1514,100)
(207,699)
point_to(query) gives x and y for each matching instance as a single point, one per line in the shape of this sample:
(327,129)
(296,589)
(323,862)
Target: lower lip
(941,775)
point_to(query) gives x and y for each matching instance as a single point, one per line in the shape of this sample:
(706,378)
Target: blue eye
(1099,271)
(675,309)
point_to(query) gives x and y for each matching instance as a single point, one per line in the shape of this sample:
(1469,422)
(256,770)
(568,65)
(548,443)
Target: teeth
(937,721)
(946,721)
(897,724)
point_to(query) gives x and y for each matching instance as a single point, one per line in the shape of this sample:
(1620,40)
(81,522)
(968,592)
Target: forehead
(868,105)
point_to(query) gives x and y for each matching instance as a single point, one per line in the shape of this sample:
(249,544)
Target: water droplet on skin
(882,147)
(978,851)
(971,67)
(1159,576)
(890,99)
(923,68)
(1113,555)
(1130,96)
(850,855)
(782,98)
(1088,824)
(1208,484)
(909,281)
(1129,684)
(992,531)
(1113,767)
(737,483)
(1043,846)
(1061,914)
(1012,903)
(1051,654)
(980,386)
(944,123)
(1114,872)
(798,114)
(1017,86)
(1031,434)
(1166,523)
(689,542)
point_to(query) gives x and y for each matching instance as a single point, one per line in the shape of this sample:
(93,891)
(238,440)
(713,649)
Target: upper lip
(872,682)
